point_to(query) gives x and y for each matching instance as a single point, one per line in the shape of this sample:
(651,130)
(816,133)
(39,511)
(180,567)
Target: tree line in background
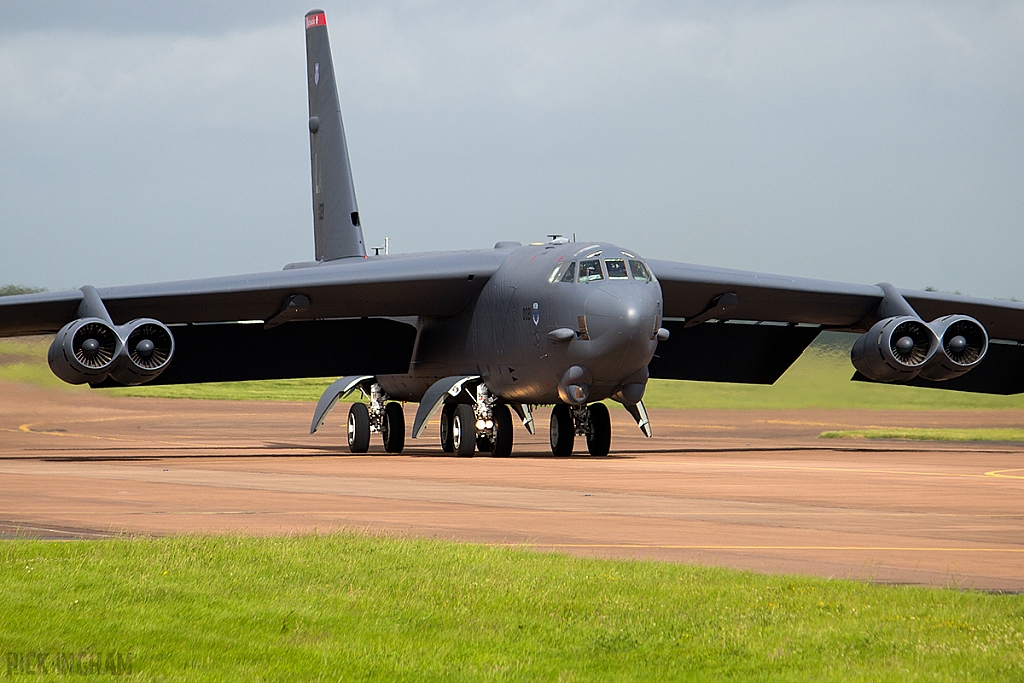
(11,290)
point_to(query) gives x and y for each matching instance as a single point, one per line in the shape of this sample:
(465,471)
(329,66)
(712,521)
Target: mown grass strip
(349,607)
(924,434)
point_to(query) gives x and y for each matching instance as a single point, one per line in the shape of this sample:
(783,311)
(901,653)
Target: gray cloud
(848,140)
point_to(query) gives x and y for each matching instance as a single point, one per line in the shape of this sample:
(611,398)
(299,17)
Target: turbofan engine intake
(84,351)
(962,345)
(147,351)
(894,349)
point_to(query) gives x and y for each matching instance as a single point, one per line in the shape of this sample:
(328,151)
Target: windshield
(640,271)
(616,269)
(590,270)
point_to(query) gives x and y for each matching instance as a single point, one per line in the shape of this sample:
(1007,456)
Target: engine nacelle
(89,350)
(894,349)
(85,351)
(963,343)
(147,349)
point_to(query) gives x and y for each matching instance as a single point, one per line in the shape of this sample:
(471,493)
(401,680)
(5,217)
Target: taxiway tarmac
(747,489)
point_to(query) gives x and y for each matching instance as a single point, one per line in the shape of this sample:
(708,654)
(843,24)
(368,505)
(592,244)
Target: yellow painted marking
(763,547)
(27,428)
(1002,474)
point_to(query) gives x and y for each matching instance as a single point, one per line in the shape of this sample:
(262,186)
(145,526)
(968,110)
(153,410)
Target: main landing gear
(381,416)
(591,421)
(485,426)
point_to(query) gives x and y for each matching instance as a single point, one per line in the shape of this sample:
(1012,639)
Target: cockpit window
(616,269)
(590,270)
(556,274)
(570,273)
(640,271)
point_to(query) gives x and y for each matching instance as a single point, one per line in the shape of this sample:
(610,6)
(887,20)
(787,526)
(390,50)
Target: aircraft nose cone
(621,321)
(620,310)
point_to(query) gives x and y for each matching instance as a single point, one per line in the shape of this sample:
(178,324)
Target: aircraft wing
(375,287)
(344,317)
(759,324)
(688,291)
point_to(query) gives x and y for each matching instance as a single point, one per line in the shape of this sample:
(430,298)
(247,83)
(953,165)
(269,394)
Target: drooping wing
(421,284)
(324,335)
(764,328)
(689,290)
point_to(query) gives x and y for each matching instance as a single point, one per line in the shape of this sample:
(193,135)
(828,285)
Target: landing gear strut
(381,416)
(591,421)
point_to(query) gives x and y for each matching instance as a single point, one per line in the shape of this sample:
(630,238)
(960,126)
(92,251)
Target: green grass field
(923,434)
(350,607)
(820,378)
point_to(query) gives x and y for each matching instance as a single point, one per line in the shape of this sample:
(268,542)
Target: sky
(855,141)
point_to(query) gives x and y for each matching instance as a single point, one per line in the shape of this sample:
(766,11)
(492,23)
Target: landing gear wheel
(464,431)
(447,414)
(392,428)
(501,447)
(599,440)
(563,432)
(358,428)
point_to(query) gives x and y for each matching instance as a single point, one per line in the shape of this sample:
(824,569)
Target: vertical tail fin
(336,225)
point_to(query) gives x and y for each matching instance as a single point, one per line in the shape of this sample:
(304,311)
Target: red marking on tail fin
(316,20)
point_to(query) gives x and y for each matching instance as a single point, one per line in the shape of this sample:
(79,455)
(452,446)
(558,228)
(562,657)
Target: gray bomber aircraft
(478,335)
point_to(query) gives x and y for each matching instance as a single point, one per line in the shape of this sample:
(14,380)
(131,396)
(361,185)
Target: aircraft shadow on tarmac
(280,452)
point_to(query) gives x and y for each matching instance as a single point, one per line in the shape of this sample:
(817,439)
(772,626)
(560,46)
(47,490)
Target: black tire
(464,431)
(599,440)
(392,428)
(563,432)
(501,447)
(358,428)
(447,413)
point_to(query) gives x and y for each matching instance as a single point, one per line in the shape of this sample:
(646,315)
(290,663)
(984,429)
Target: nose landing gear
(591,421)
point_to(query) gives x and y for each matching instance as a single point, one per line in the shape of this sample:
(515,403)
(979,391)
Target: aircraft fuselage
(601,301)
